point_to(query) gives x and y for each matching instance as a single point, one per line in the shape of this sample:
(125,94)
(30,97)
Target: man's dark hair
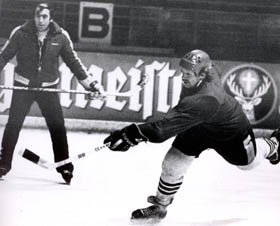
(41,6)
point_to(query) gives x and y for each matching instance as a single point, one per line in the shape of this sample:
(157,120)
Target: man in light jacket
(37,45)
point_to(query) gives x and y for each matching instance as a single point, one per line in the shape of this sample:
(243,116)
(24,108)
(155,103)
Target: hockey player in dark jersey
(205,117)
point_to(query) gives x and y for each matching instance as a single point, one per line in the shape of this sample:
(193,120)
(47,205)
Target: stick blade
(36,159)
(29,155)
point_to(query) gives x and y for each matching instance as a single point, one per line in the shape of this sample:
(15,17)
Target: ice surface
(108,186)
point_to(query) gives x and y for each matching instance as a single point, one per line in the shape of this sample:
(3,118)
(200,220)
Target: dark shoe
(275,158)
(67,176)
(3,171)
(66,172)
(5,167)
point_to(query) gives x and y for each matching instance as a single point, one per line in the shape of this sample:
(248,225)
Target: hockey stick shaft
(79,156)
(36,159)
(134,90)
(52,90)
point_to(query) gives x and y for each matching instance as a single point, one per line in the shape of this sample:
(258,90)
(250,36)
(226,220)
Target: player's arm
(71,59)
(156,132)
(179,119)
(10,48)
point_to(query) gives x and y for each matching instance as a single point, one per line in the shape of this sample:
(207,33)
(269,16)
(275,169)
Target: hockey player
(205,117)
(37,45)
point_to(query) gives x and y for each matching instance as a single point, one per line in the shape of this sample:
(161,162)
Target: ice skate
(275,158)
(156,212)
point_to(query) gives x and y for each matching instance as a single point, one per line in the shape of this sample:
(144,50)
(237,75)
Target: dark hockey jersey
(207,106)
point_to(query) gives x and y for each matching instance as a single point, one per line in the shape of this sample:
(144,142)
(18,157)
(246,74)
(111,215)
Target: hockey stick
(133,91)
(52,90)
(143,81)
(31,156)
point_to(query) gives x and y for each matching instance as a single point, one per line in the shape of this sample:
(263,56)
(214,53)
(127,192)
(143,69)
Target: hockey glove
(122,140)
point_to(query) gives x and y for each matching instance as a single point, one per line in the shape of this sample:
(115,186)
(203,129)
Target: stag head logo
(254,88)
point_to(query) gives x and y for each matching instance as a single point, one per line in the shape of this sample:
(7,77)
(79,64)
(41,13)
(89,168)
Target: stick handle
(79,156)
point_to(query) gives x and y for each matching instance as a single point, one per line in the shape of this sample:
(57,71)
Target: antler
(233,87)
(262,89)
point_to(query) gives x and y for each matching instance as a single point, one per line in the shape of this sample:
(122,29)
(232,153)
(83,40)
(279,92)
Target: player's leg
(265,148)
(51,110)
(19,108)
(174,167)
(274,156)
(185,148)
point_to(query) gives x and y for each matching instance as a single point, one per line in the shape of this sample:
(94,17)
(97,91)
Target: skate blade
(146,221)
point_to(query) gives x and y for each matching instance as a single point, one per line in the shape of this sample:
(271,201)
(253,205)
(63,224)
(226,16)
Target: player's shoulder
(200,98)
(198,103)
(64,35)
(206,101)
(16,31)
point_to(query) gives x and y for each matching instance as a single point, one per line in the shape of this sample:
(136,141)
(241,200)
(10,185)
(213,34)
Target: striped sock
(272,146)
(168,188)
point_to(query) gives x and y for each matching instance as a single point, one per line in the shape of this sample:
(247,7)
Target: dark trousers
(52,112)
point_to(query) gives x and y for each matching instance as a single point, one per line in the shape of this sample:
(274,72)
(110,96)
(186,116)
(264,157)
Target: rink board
(255,85)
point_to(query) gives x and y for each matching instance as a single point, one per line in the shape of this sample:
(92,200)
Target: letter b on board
(95,23)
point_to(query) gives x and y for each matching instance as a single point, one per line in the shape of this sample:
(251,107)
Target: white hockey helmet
(196,61)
